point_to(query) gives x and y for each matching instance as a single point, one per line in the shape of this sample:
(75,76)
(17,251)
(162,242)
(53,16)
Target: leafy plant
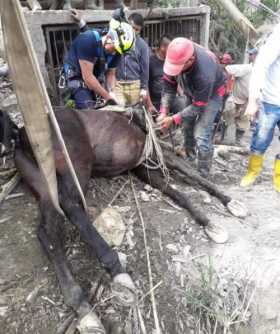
(218,305)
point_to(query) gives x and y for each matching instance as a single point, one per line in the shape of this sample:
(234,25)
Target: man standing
(264,107)
(241,74)
(92,55)
(201,77)
(133,69)
(157,59)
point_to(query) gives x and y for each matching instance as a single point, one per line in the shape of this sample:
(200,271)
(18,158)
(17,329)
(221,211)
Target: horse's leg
(49,234)
(73,208)
(156,180)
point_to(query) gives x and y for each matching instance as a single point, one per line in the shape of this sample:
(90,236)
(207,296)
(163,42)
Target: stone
(3,310)
(9,103)
(172,248)
(205,197)
(148,188)
(110,225)
(123,259)
(4,70)
(144,196)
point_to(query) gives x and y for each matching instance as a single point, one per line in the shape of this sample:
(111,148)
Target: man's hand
(152,110)
(143,95)
(112,100)
(252,110)
(76,15)
(164,121)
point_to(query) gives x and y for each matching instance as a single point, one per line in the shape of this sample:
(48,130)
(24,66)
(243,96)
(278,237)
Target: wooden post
(32,96)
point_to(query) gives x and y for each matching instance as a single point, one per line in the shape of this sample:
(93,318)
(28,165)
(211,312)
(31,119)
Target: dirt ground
(30,299)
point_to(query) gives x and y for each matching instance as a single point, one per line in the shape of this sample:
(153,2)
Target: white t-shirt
(242,74)
(265,77)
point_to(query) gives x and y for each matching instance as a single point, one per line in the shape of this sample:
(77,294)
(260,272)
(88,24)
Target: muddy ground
(245,269)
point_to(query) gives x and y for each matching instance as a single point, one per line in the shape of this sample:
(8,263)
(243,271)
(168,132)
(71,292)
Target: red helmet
(226,59)
(179,51)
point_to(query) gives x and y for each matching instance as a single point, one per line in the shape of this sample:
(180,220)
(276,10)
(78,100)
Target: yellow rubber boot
(254,169)
(276,175)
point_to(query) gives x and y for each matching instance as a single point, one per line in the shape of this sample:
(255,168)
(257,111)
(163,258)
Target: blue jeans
(199,125)
(84,98)
(269,115)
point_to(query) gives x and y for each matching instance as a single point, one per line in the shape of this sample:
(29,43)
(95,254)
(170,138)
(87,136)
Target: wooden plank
(32,96)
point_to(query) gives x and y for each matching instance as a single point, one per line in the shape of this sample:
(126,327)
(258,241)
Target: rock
(186,251)
(122,208)
(172,248)
(3,310)
(123,259)
(148,188)
(110,225)
(9,103)
(205,197)
(4,70)
(144,196)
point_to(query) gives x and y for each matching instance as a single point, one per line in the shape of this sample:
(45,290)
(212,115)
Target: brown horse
(100,143)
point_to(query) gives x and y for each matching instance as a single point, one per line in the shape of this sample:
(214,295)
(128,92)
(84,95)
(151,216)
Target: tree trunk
(241,20)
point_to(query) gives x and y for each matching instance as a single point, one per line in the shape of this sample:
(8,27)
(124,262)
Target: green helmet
(122,35)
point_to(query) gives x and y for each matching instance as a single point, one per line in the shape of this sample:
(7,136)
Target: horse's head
(8,133)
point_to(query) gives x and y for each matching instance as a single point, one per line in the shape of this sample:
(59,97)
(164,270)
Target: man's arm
(91,81)
(239,70)
(168,95)
(144,66)
(268,53)
(79,20)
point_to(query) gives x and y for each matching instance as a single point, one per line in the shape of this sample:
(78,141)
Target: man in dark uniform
(201,76)
(92,55)
(157,59)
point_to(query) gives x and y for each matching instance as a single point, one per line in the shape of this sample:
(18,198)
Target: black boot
(190,153)
(204,163)
(239,135)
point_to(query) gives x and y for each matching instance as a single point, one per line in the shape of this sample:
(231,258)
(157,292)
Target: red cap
(179,51)
(226,59)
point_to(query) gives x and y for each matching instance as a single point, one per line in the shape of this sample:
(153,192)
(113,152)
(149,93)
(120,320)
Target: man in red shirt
(200,75)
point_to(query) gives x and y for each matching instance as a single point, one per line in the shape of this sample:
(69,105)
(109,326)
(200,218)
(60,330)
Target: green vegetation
(217,303)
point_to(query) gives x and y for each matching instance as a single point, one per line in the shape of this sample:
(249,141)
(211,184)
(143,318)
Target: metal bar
(55,48)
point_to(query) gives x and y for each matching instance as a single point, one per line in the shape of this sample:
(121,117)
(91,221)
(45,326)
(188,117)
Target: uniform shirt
(241,74)
(134,64)
(88,46)
(203,81)
(155,79)
(265,78)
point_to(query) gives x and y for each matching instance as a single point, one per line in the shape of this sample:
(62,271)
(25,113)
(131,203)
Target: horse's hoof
(216,233)
(124,289)
(237,209)
(90,324)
